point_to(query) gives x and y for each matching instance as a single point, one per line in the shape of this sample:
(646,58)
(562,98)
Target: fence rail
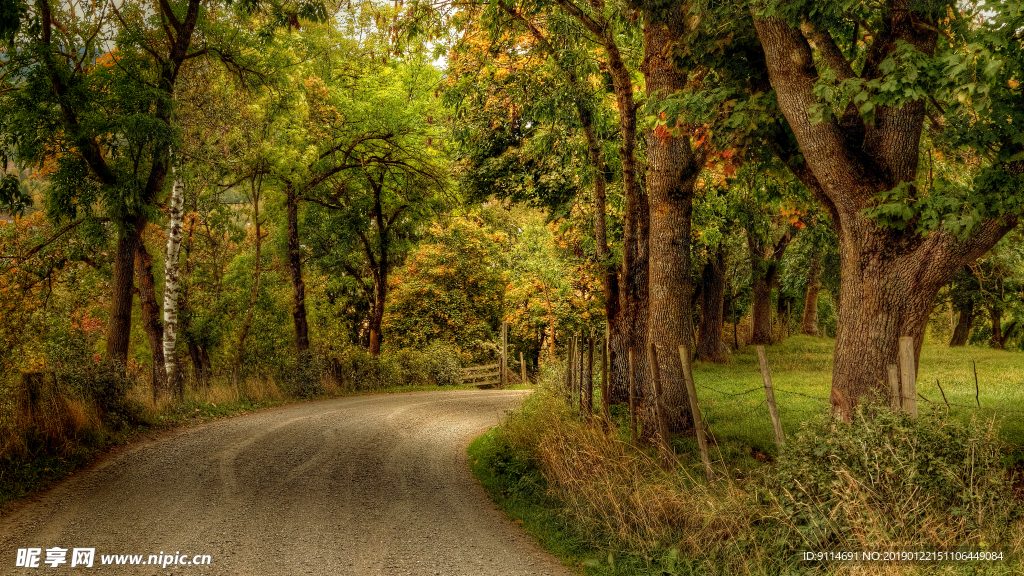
(489,374)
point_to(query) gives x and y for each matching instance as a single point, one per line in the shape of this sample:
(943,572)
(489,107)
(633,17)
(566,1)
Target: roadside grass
(801,369)
(29,463)
(605,507)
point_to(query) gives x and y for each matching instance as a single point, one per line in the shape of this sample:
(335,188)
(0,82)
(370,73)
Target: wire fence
(772,407)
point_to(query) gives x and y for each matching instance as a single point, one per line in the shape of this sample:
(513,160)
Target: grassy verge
(732,395)
(885,483)
(34,467)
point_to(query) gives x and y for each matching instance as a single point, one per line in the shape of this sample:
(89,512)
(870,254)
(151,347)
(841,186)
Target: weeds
(883,483)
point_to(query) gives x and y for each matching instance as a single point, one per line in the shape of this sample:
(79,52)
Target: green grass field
(801,369)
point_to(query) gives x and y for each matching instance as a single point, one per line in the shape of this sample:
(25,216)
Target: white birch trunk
(171,285)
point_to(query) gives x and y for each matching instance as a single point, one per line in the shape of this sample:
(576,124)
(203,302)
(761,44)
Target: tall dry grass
(618,491)
(890,485)
(41,415)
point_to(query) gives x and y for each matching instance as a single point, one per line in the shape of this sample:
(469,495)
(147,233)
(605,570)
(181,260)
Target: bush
(888,482)
(413,367)
(302,376)
(354,369)
(443,364)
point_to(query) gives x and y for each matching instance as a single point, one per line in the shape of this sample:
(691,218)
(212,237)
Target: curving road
(367,485)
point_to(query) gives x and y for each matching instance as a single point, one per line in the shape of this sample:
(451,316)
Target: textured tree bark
(889,278)
(295,272)
(119,325)
(1007,333)
(200,364)
(761,313)
(380,264)
(633,297)
(764,272)
(995,316)
(172,285)
(632,282)
(671,175)
(962,331)
(809,324)
(712,310)
(150,313)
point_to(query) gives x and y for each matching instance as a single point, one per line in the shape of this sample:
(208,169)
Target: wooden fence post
(588,392)
(604,381)
(908,375)
(698,418)
(632,397)
(568,370)
(769,392)
(522,367)
(504,354)
(894,383)
(577,383)
(977,390)
(667,453)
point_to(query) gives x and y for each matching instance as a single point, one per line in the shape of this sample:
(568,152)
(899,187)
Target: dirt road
(358,486)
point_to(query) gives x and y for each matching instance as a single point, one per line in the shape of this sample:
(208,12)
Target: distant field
(801,369)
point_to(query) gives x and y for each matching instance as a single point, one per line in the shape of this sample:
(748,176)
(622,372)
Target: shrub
(413,367)
(889,482)
(302,376)
(443,364)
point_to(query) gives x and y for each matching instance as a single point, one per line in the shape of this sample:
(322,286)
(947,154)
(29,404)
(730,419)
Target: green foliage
(354,369)
(886,481)
(451,289)
(302,376)
(443,365)
(12,199)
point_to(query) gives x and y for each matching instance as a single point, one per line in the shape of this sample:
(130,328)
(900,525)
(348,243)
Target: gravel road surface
(362,485)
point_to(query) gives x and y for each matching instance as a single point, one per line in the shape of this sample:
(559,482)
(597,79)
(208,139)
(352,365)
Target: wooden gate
(488,374)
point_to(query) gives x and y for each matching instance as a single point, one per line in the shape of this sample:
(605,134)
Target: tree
(108,118)
(865,92)
(385,177)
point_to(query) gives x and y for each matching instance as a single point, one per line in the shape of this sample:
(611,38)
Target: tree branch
(826,45)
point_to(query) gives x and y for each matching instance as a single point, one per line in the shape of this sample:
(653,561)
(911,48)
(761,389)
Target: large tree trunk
(761,315)
(712,310)
(809,324)
(889,278)
(764,272)
(172,285)
(1008,332)
(295,272)
(380,263)
(632,323)
(119,325)
(962,331)
(671,175)
(150,312)
(380,292)
(995,315)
